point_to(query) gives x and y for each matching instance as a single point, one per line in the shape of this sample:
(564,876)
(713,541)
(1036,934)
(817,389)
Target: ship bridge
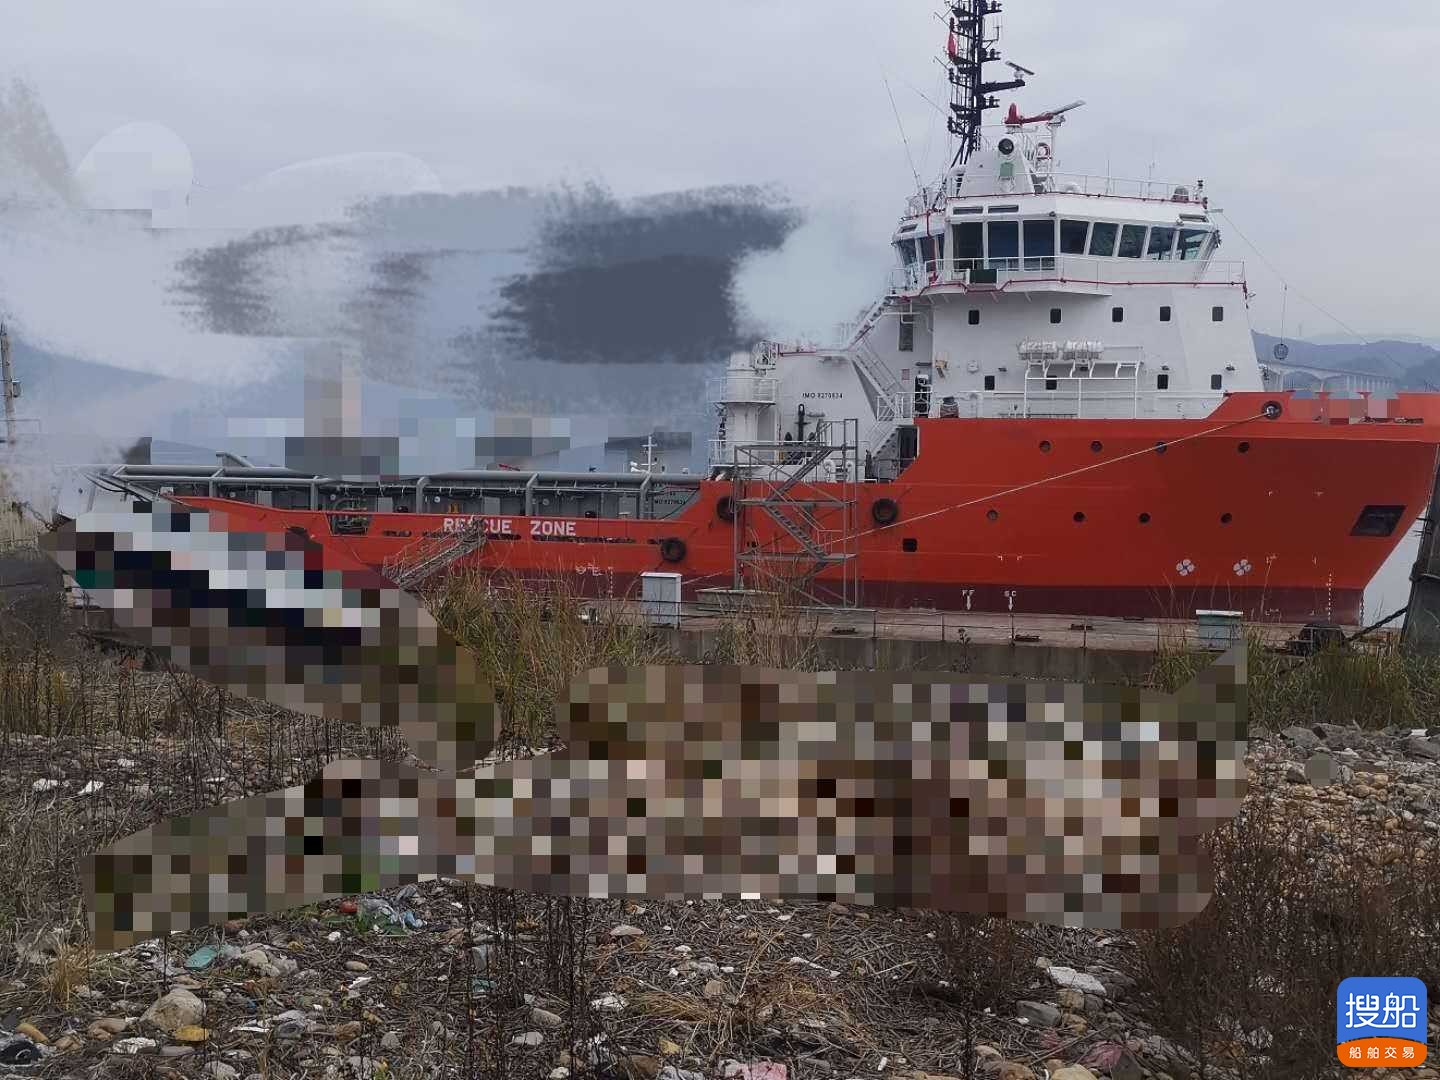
(1007,221)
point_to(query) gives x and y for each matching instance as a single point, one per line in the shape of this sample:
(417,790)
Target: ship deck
(959,628)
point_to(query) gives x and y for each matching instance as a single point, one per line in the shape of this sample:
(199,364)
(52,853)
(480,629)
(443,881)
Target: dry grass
(1298,907)
(531,642)
(1365,689)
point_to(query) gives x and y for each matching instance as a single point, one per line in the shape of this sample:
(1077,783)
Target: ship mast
(970,48)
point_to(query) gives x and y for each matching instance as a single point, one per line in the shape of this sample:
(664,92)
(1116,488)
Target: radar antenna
(970,48)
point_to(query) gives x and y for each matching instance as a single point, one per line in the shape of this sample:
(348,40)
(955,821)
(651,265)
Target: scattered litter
(125,763)
(627,931)
(817,967)
(135,1046)
(20,1050)
(44,785)
(333,936)
(202,958)
(528,1038)
(1076,980)
(754,1070)
(94,787)
(610,1002)
(362,982)
(378,910)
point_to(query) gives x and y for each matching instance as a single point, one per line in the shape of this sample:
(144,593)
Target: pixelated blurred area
(723,778)
(265,617)
(1059,804)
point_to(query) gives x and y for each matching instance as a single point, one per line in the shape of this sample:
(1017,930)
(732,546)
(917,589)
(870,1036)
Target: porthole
(1097,446)
(1161,447)
(1144,519)
(992,515)
(1079,517)
(1225,519)
(1244,448)
(1045,446)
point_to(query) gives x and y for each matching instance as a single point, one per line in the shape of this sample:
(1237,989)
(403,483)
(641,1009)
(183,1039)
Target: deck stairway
(431,554)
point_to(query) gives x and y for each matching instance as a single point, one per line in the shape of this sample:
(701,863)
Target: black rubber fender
(885,511)
(672,549)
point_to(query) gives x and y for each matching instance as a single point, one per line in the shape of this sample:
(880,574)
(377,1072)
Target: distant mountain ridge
(1417,365)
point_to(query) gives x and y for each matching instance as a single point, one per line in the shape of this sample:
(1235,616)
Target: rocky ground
(449,980)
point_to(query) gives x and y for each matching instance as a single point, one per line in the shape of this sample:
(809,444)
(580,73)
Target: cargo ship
(1054,406)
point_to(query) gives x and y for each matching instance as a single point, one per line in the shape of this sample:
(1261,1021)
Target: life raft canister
(672,549)
(885,511)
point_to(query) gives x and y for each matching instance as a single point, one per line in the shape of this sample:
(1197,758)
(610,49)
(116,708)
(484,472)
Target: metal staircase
(432,553)
(816,517)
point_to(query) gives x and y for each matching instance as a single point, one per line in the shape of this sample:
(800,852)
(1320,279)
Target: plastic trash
(202,958)
(18,1050)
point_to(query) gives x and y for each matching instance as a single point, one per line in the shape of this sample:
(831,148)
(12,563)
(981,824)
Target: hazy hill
(1417,364)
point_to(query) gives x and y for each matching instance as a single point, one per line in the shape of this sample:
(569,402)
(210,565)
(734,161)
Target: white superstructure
(1019,291)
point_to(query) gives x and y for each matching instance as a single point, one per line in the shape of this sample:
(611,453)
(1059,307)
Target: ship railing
(1115,187)
(723,452)
(743,389)
(1091,405)
(1072,270)
(1178,631)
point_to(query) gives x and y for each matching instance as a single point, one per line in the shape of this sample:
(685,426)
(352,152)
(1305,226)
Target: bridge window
(927,250)
(1055,316)
(1004,245)
(1162,242)
(1162,381)
(1165,313)
(1072,237)
(989,382)
(969,245)
(907,335)
(1102,239)
(1217,314)
(974,316)
(1052,384)
(1132,241)
(1040,245)
(1217,381)
(907,252)
(1192,243)
(1117,314)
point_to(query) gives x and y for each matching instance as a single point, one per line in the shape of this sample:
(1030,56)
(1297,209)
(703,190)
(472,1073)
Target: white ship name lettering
(492,526)
(543,527)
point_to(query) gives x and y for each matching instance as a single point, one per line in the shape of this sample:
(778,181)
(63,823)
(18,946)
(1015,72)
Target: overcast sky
(1313,130)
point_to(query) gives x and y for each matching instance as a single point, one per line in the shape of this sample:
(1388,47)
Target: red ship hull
(1286,519)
